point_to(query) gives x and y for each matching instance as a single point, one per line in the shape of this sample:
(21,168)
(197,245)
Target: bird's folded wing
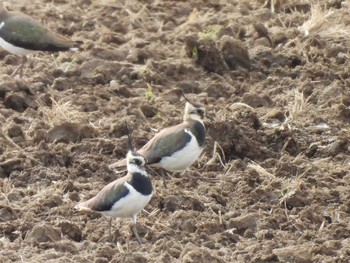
(165,143)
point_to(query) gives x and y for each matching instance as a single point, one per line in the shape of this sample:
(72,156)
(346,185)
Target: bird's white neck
(132,168)
(194,117)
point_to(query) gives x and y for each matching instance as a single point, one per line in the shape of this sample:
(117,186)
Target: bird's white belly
(130,205)
(13,49)
(184,158)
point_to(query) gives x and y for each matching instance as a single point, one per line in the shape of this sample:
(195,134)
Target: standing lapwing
(177,147)
(124,197)
(21,35)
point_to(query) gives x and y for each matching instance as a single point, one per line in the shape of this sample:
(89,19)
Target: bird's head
(194,111)
(135,159)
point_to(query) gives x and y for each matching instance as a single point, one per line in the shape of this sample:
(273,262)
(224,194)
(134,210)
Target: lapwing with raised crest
(124,197)
(177,147)
(21,35)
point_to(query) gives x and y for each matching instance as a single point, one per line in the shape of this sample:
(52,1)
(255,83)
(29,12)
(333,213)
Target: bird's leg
(110,229)
(165,176)
(20,67)
(24,60)
(164,183)
(134,229)
(162,174)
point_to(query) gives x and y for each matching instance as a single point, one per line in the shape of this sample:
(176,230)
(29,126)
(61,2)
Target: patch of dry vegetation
(62,111)
(327,23)
(296,107)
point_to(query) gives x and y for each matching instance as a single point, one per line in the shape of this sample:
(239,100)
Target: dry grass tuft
(260,170)
(195,18)
(299,102)
(211,32)
(296,107)
(238,104)
(328,24)
(290,188)
(318,20)
(216,155)
(120,248)
(60,112)
(8,140)
(139,17)
(5,188)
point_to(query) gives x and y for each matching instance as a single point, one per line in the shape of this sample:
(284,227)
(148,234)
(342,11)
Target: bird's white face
(194,112)
(136,159)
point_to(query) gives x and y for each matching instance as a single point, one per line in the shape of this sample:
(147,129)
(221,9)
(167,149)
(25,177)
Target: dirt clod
(235,54)
(11,164)
(44,232)
(295,253)
(16,102)
(244,222)
(7,214)
(71,230)
(206,54)
(62,84)
(191,253)
(70,132)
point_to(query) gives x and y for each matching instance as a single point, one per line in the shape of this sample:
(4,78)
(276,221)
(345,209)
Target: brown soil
(276,162)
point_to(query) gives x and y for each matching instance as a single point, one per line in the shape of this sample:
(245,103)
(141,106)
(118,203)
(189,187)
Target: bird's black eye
(137,161)
(200,111)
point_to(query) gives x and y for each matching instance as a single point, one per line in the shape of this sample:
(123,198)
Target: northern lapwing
(177,147)
(124,197)
(21,35)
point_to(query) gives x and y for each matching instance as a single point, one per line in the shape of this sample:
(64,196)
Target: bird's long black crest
(129,132)
(183,95)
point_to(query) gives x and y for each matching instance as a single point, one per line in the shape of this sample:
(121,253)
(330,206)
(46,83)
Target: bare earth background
(276,162)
